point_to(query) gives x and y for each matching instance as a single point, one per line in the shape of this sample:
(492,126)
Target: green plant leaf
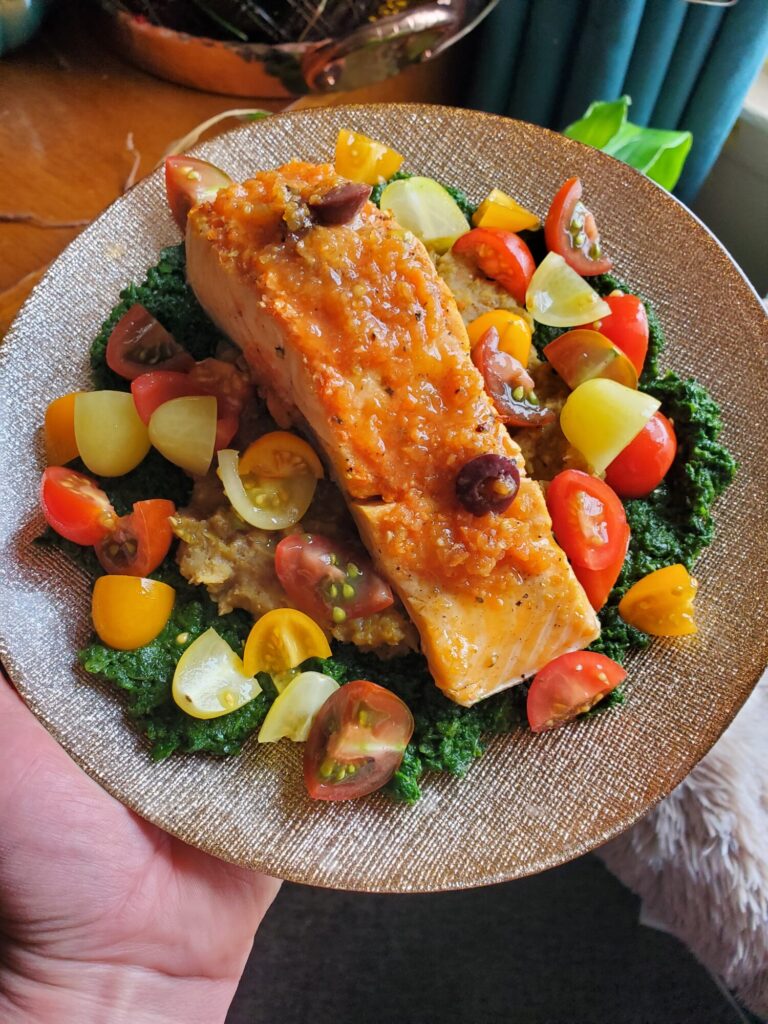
(601,122)
(658,153)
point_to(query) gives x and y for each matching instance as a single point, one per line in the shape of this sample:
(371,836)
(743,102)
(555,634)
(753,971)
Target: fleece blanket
(699,860)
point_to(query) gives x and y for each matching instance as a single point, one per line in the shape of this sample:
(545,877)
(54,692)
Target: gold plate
(532,801)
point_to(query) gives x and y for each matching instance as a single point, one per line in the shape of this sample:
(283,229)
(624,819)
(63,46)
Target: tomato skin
(139,541)
(362,727)
(189,181)
(129,612)
(643,464)
(569,686)
(560,231)
(598,583)
(588,519)
(626,327)
(304,566)
(75,506)
(139,342)
(501,255)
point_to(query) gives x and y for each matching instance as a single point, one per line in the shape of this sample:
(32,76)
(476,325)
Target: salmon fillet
(352,335)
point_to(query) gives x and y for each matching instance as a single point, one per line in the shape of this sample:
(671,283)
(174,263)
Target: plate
(530,802)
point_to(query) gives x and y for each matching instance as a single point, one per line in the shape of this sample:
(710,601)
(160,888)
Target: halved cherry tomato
(75,506)
(569,686)
(139,343)
(588,519)
(598,583)
(514,332)
(570,230)
(140,541)
(498,210)
(661,603)
(362,159)
(356,742)
(230,386)
(209,680)
(151,390)
(282,639)
(189,181)
(509,384)
(643,464)
(280,454)
(129,612)
(330,581)
(627,327)
(500,255)
(60,443)
(582,355)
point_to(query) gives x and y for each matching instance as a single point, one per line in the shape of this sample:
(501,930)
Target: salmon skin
(352,336)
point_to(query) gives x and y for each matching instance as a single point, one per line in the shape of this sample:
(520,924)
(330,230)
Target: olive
(488,483)
(341,204)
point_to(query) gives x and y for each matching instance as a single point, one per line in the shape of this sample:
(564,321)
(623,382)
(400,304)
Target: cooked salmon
(353,337)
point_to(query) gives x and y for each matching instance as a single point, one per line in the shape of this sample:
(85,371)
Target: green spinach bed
(673,524)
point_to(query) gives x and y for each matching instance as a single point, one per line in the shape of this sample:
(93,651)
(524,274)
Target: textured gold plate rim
(393,879)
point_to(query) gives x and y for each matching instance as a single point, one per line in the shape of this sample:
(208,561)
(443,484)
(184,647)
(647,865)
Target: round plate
(532,801)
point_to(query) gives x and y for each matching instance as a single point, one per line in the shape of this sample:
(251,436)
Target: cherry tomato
(627,327)
(281,640)
(75,506)
(514,332)
(598,583)
(508,384)
(588,519)
(356,742)
(330,581)
(643,464)
(280,454)
(139,342)
(151,390)
(582,355)
(189,181)
(360,158)
(60,443)
(570,230)
(230,387)
(500,255)
(129,612)
(140,541)
(661,603)
(569,686)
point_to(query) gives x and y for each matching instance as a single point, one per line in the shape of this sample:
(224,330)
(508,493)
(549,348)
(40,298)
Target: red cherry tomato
(140,541)
(189,181)
(598,583)
(331,582)
(357,742)
(643,464)
(571,231)
(139,342)
(627,327)
(569,686)
(588,519)
(500,255)
(75,506)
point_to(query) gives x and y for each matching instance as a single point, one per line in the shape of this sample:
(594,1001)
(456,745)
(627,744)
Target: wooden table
(74,117)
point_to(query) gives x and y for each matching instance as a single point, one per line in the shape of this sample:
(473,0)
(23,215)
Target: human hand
(104,917)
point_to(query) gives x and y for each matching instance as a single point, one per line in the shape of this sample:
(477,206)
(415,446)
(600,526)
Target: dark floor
(563,947)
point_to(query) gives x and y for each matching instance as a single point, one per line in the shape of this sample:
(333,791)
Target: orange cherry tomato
(500,255)
(569,686)
(279,455)
(75,506)
(514,332)
(129,612)
(661,603)
(643,464)
(140,541)
(570,230)
(60,443)
(281,640)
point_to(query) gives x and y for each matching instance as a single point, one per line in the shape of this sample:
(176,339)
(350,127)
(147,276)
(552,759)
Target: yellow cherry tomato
(498,210)
(661,603)
(210,680)
(600,418)
(60,443)
(111,439)
(279,455)
(293,711)
(129,611)
(281,640)
(362,159)
(514,332)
